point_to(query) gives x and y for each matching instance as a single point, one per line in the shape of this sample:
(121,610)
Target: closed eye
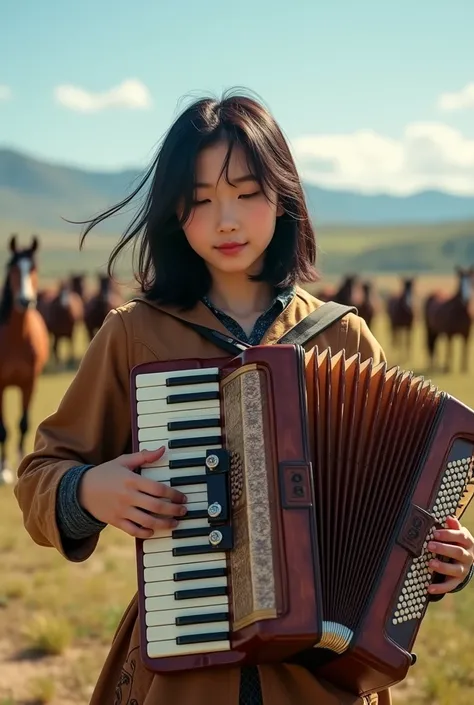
(200,203)
(250,195)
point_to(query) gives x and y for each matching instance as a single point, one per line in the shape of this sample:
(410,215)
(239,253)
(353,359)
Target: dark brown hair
(169,270)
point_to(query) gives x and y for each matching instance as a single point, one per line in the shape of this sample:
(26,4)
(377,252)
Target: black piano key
(195,550)
(226,544)
(200,592)
(189,533)
(195,514)
(195,442)
(188,480)
(191,397)
(201,618)
(202,638)
(197,574)
(192,379)
(186,463)
(188,424)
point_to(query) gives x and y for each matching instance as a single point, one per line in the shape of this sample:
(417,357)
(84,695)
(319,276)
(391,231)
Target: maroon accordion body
(314,483)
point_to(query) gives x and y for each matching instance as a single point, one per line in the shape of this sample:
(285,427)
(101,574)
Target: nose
(24,303)
(228,222)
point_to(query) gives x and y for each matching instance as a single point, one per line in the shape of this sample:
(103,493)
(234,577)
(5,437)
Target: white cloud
(128,94)
(427,156)
(5,92)
(462,100)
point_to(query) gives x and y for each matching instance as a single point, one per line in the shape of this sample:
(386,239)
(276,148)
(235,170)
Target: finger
(456,536)
(159,489)
(149,521)
(157,506)
(455,570)
(458,553)
(444,587)
(453,523)
(133,530)
(142,457)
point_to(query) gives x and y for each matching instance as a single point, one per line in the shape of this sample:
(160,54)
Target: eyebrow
(238,180)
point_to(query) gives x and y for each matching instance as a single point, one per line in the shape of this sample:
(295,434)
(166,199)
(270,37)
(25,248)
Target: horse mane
(6,302)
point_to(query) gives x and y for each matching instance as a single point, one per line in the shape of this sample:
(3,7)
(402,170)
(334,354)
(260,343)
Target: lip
(231,247)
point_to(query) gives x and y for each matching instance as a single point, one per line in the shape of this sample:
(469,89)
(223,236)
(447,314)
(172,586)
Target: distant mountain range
(38,194)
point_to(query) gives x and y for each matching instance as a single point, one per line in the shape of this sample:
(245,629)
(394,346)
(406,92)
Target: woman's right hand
(116,495)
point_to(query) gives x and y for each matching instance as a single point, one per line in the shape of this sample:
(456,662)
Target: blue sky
(355,84)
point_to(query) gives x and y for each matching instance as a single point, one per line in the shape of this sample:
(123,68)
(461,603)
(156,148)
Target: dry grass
(57,618)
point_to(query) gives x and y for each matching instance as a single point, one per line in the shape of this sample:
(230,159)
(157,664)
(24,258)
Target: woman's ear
(280,210)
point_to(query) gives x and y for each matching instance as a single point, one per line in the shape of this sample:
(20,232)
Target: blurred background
(377,102)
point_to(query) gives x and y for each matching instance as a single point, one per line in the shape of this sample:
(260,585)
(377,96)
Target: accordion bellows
(314,485)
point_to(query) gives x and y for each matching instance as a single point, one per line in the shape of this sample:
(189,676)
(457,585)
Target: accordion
(314,484)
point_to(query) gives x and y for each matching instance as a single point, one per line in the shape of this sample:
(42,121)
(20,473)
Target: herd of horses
(34,320)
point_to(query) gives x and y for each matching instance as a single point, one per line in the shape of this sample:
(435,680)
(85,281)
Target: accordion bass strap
(316,323)
(305,330)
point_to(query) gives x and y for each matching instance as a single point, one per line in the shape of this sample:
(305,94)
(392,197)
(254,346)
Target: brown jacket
(92,425)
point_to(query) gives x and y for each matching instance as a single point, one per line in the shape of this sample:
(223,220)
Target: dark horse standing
(24,345)
(450,316)
(401,316)
(99,305)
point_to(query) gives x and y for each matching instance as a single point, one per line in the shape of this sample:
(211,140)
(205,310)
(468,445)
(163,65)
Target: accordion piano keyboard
(185,575)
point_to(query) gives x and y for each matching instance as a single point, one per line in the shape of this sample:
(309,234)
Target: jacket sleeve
(90,426)
(360,339)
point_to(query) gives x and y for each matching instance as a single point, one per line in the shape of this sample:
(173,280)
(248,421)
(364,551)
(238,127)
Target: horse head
(22,274)
(466,280)
(408,283)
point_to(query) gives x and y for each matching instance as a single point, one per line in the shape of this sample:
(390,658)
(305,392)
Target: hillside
(38,194)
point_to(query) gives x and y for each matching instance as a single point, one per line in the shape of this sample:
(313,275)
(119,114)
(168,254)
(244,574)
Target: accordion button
(212,461)
(215,537)
(214,510)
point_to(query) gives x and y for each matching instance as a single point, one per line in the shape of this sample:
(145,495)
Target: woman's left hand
(456,543)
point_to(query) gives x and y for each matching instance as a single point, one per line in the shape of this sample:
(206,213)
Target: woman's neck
(238,297)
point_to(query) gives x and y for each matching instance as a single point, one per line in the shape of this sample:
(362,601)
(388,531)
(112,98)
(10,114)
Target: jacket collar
(200,314)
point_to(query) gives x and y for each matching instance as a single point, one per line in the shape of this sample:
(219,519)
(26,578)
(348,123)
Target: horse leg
(55,348)
(26,394)
(3,436)
(465,355)
(448,362)
(431,337)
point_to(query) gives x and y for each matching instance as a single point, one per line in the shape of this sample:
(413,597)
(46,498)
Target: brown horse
(62,314)
(345,293)
(450,317)
(366,307)
(24,345)
(99,305)
(401,316)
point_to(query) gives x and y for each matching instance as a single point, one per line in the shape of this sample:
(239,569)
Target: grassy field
(57,619)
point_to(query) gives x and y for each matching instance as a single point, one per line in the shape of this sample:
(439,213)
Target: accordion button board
(185,573)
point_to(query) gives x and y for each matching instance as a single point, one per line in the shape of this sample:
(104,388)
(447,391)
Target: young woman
(224,236)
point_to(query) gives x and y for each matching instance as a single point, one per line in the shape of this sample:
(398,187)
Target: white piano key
(155,393)
(161,405)
(161,433)
(189,490)
(154,575)
(160,649)
(157,378)
(167,602)
(161,420)
(188,524)
(157,619)
(171,631)
(188,454)
(170,587)
(165,474)
(158,560)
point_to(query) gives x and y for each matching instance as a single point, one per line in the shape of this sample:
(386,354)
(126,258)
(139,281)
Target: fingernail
(184,510)
(184,499)
(437,534)
(432,546)
(174,522)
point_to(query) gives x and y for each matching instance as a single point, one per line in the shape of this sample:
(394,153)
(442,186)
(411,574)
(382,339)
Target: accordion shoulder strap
(316,323)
